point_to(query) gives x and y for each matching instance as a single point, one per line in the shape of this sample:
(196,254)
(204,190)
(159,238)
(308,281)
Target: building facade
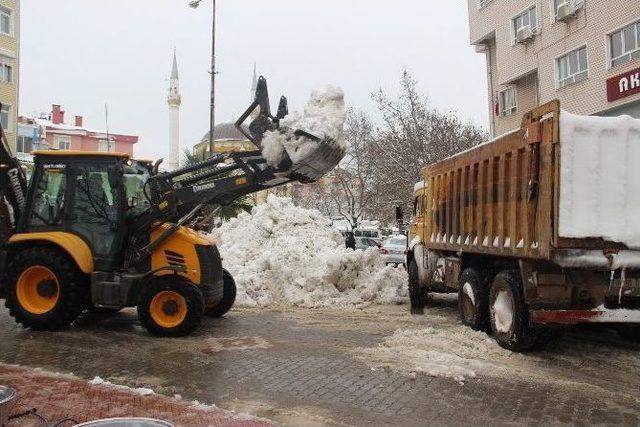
(586,53)
(42,133)
(9,67)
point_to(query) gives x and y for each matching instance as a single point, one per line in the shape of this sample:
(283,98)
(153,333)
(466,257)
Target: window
(5,20)
(105,145)
(48,206)
(572,67)
(528,18)
(624,44)
(6,72)
(62,142)
(483,3)
(24,144)
(508,101)
(5,117)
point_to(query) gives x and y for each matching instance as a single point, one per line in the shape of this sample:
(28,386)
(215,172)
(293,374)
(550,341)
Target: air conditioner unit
(524,33)
(568,9)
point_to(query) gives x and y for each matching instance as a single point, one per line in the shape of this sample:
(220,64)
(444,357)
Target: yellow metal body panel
(182,242)
(72,244)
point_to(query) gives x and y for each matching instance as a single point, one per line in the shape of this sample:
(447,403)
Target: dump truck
(539,227)
(98,230)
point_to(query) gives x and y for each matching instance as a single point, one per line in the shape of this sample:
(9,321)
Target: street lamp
(212,118)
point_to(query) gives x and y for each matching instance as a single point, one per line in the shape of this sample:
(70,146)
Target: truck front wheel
(417,294)
(473,302)
(509,315)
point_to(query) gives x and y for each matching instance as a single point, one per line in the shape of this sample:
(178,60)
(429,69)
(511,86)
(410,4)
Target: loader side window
(48,207)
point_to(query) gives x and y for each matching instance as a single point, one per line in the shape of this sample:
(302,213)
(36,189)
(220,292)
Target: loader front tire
(45,289)
(170,306)
(228,297)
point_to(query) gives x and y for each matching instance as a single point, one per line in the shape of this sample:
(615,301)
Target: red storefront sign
(624,85)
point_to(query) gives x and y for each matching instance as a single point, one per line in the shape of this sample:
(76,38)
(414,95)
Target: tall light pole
(212,113)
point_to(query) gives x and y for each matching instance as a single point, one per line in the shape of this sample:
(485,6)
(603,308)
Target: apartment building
(9,67)
(586,53)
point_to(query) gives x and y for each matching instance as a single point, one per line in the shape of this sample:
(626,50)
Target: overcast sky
(82,54)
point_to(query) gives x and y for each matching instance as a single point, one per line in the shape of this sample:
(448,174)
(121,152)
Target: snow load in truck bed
(600,178)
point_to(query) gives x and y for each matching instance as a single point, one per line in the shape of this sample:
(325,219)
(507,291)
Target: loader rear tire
(45,289)
(170,306)
(228,297)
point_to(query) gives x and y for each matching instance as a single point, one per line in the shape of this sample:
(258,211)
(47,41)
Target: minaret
(174,100)
(254,84)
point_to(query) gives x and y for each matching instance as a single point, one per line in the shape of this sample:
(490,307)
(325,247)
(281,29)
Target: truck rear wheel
(44,289)
(228,297)
(417,294)
(509,315)
(629,332)
(473,300)
(170,306)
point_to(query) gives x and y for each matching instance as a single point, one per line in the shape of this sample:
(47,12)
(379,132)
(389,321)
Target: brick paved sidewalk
(59,396)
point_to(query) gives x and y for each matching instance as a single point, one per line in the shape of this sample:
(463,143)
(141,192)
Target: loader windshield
(135,178)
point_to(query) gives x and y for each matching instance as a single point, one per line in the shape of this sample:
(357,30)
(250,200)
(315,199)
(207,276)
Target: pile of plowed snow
(451,352)
(323,116)
(281,254)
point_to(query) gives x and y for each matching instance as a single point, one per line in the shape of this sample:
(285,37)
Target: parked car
(394,250)
(365,243)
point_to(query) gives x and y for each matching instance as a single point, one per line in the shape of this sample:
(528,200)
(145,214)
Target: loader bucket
(316,162)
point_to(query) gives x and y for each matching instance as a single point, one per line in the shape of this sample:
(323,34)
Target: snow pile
(323,116)
(283,254)
(141,391)
(457,352)
(600,178)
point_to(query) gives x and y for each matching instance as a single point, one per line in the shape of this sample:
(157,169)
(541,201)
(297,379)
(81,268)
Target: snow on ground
(599,178)
(323,116)
(281,254)
(451,352)
(140,390)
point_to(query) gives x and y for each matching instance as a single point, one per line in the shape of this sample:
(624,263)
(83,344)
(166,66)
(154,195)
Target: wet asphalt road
(296,367)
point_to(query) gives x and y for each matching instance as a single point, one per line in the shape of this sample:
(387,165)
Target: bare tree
(382,164)
(412,134)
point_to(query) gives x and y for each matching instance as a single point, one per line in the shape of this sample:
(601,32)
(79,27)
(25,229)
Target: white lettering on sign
(635,80)
(624,84)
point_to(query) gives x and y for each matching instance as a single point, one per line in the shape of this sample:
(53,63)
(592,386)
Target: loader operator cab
(82,194)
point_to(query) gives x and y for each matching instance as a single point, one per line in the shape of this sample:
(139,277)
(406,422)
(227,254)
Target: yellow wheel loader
(94,230)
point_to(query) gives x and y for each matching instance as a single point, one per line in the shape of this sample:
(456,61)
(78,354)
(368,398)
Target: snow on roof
(70,128)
